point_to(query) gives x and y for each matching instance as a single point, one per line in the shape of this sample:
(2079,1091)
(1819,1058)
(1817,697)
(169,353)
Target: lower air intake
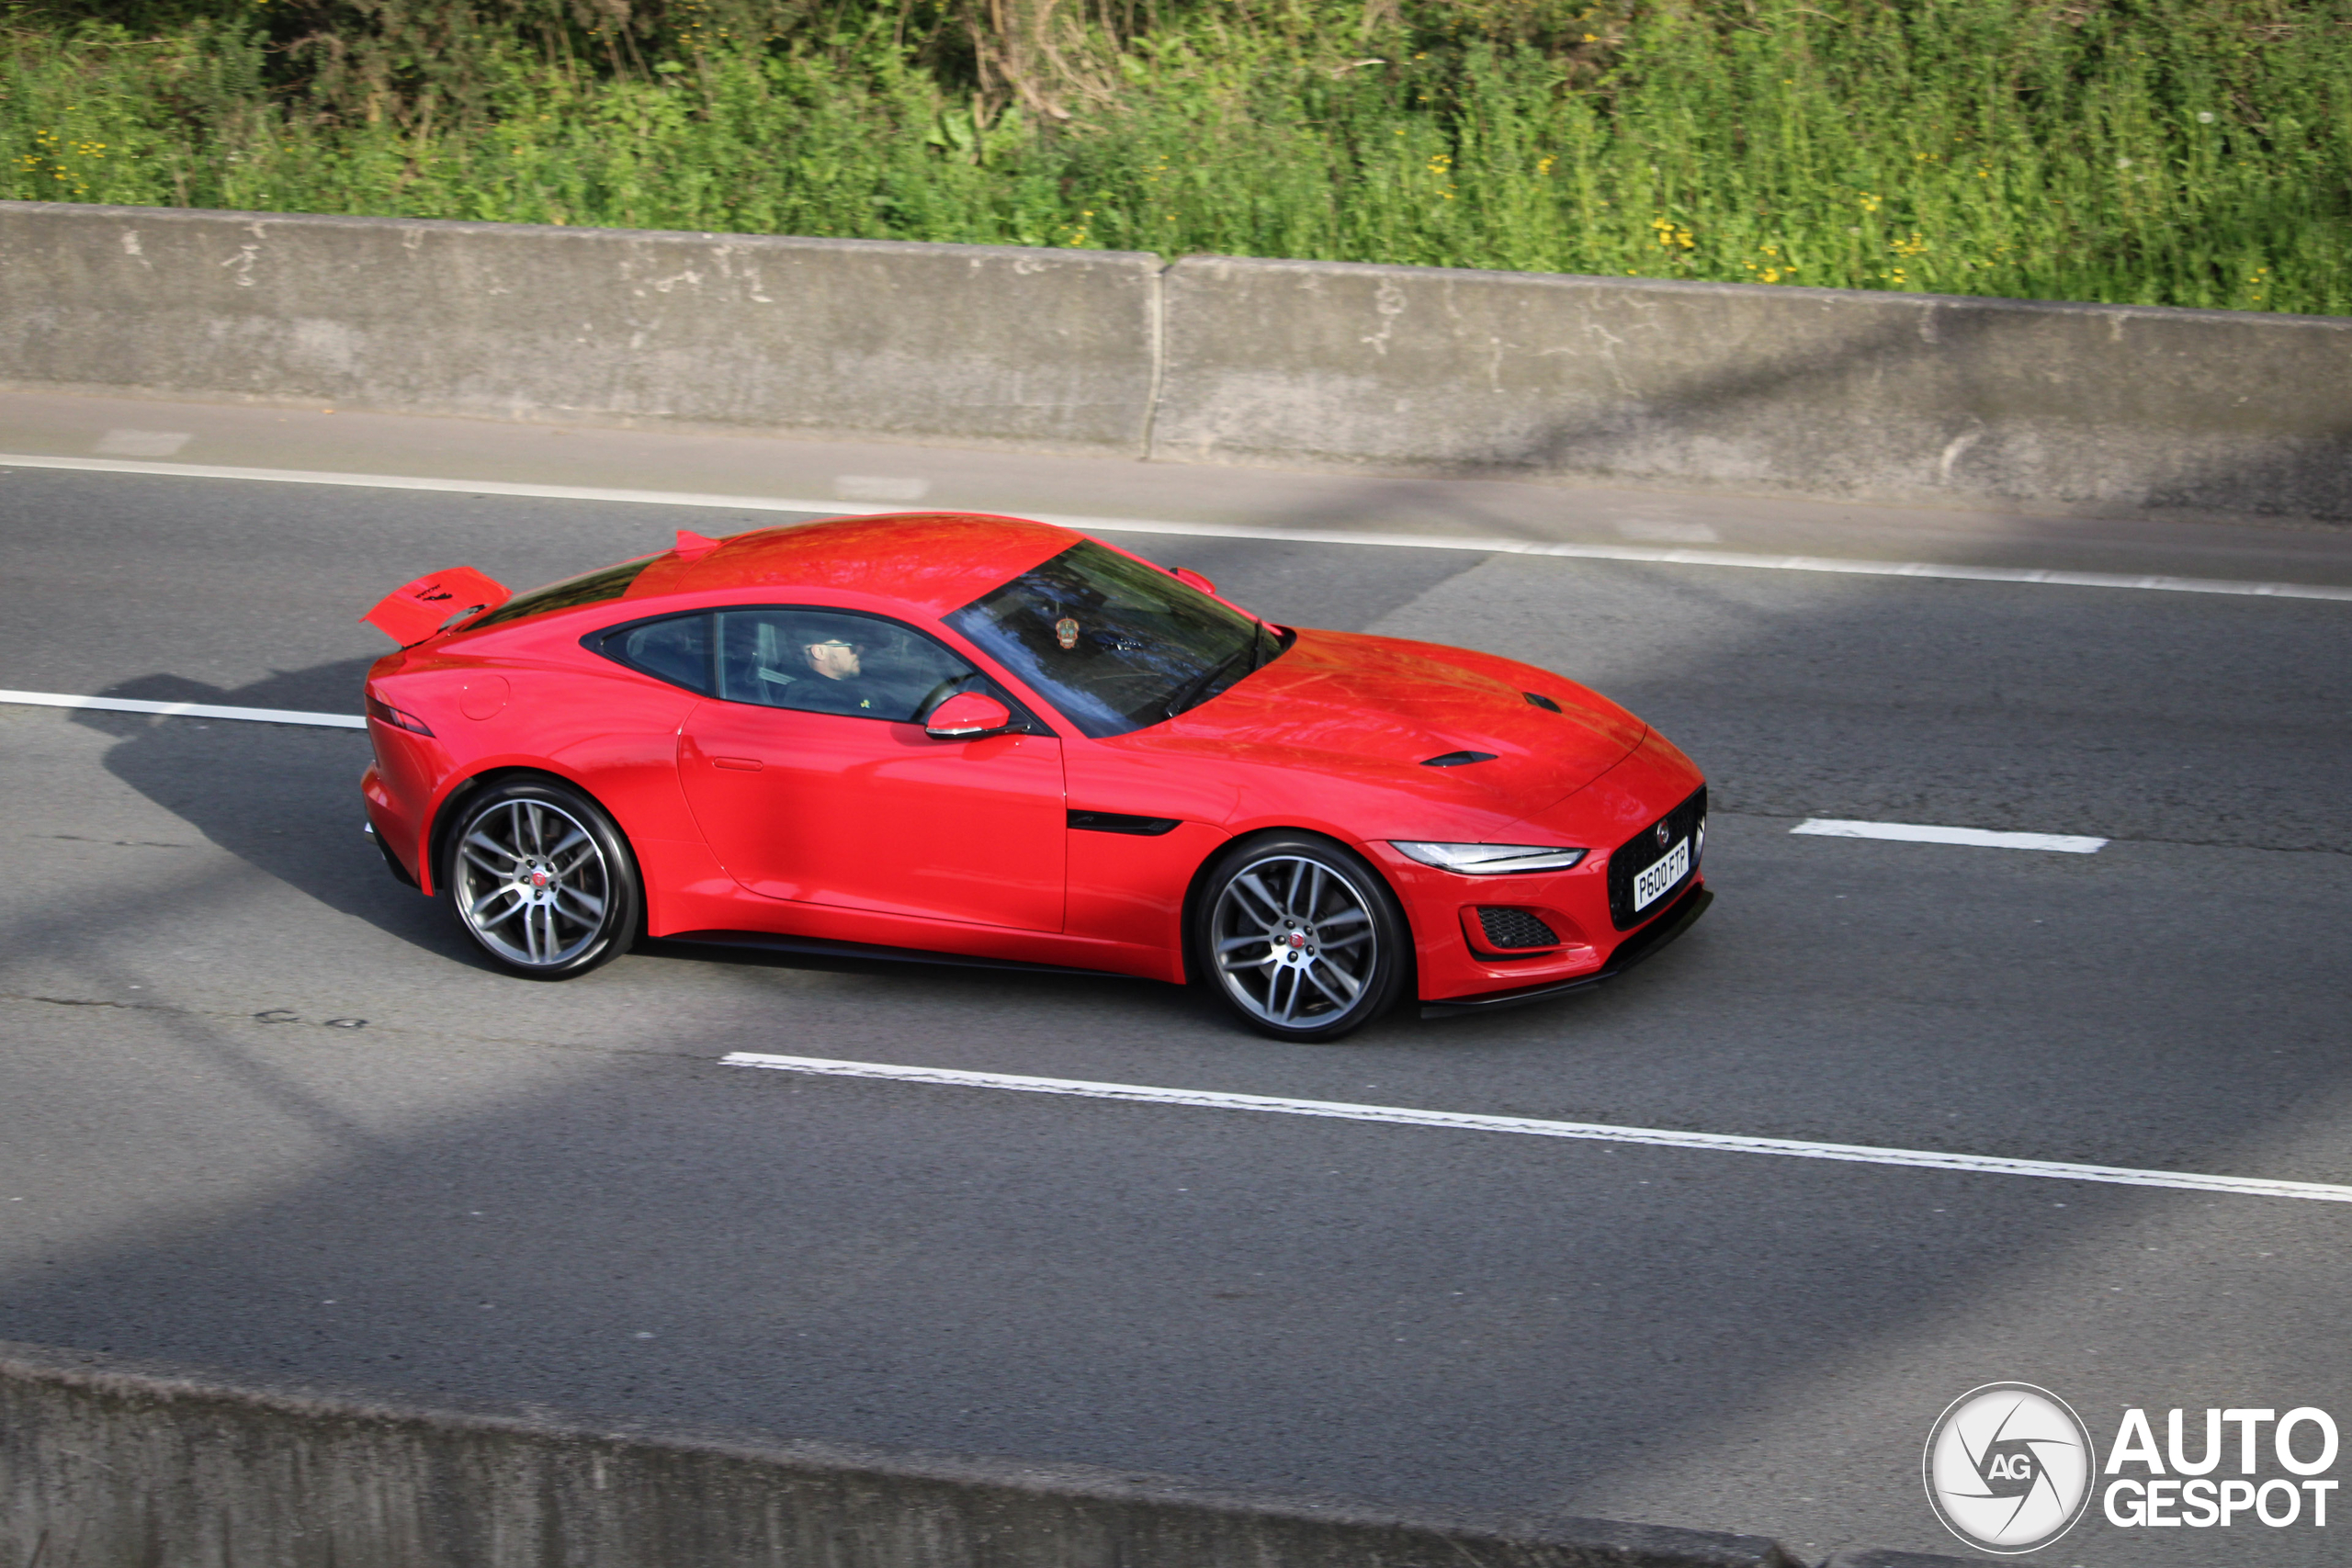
(1507,928)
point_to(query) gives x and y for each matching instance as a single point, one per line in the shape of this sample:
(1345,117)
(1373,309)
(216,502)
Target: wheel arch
(1197,890)
(450,809)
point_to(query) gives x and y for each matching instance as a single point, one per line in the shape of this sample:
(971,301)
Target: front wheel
(1300,937)
(540,878)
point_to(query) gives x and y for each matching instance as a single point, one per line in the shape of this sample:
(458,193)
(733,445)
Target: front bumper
(1671,922)
(1594,908)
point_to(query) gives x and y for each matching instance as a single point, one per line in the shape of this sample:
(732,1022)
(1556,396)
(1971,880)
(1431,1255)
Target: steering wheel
(940,693)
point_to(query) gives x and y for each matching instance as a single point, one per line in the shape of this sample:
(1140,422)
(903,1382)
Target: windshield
(1113,644)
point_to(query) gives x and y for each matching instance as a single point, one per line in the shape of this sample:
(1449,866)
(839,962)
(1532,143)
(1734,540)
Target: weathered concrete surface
(1905,397)
(1043,349)
(106,1464)
(1824,392)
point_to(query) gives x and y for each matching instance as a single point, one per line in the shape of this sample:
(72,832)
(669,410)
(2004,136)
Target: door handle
(738,764)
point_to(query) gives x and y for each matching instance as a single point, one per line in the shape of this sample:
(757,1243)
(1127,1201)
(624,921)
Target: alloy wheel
(531,883)
(1294,942)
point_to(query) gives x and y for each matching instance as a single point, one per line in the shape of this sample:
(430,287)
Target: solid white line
(1596,1132)
(453,486)
(186,710)
(1913,833)
(1214,530)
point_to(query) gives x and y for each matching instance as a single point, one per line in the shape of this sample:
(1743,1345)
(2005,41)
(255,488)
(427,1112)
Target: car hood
(1375,709)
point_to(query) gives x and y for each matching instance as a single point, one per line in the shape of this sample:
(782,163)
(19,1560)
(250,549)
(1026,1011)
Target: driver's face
(833,658)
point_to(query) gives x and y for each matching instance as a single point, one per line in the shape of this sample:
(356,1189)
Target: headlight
(1488,860)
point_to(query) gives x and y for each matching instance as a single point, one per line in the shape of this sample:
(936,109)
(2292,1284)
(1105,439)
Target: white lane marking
(1825,825)
(1471,543)
(1916,833)
(185,710)
(1594,1131)
(141,443)
(1656,533)
(879,487)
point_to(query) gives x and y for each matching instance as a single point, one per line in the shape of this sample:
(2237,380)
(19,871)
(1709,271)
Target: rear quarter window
(676,649)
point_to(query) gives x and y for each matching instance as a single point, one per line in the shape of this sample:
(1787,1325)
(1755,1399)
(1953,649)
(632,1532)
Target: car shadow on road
(285,799)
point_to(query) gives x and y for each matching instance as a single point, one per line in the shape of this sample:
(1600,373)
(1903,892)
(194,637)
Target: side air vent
(1457,759)
(1121,822)
(1508,928)
(1541,701)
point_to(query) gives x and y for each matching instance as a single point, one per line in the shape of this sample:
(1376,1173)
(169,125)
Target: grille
(1642,850)
(1507,928)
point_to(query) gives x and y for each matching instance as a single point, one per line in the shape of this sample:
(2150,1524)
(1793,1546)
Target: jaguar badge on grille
(1664,833)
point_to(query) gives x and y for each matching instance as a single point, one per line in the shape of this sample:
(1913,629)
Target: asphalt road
(260,1108)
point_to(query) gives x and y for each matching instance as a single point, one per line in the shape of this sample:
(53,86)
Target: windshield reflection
(1113,644)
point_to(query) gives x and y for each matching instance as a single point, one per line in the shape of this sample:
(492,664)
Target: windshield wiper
(1199,688)
(1196,689)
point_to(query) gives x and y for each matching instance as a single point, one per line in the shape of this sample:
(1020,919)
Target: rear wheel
(541,879)
(1300,937)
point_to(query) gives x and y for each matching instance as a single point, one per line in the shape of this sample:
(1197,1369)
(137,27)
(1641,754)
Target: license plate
(1650,886)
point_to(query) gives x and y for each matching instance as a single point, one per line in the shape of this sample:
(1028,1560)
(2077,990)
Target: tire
(1299,937)
(539,876)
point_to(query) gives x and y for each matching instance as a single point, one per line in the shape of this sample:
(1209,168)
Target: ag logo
(2009,1467)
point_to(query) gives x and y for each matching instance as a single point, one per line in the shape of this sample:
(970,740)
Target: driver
(843,686)
(849,665)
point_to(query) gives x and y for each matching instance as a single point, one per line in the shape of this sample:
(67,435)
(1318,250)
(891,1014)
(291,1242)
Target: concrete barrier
(1044,349)
(1820,391)
(1809,391)
(107,1464)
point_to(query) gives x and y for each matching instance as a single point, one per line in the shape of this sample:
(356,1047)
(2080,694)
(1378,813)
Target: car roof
(935,561)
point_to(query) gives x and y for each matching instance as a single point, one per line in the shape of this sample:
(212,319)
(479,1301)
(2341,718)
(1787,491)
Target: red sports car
(981,738)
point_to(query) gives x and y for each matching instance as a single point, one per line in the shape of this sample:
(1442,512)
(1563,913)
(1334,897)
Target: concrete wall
(1824,392)
(2103,409)
(109,1465)
(1048,349)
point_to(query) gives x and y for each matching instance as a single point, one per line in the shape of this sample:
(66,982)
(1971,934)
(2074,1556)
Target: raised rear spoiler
(415,611)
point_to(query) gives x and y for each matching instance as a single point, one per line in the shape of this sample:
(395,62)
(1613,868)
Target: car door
(813,778)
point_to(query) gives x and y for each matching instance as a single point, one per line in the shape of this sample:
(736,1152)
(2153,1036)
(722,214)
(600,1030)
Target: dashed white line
(186,710)
(1979,838)
(1474,544)
(1825,825)
(1592,1132)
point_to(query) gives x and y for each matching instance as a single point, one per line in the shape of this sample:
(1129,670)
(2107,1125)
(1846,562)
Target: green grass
(2166,152)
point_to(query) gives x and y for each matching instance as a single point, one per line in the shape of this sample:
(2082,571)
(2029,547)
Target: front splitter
(1676,918)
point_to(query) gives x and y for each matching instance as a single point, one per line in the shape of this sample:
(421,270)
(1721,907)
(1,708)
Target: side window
(676,650)
(826,662)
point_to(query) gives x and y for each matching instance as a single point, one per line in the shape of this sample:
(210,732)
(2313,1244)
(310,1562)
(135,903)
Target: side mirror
(1190,578)
(967,715)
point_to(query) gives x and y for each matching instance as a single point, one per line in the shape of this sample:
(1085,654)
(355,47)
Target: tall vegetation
(2162,152)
